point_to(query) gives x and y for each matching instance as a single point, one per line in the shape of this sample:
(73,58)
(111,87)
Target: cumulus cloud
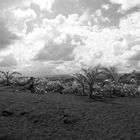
(23,4)
(22,17)
(76,6)
(64,35)
(71,39)
(126,4)
(127,45)
(23,14)
(106,6)
(92,4)
(44,4)
(131,23)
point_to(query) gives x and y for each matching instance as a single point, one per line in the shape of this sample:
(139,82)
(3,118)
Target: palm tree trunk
(7,81)
(90,90)
(114,91)
(83,88)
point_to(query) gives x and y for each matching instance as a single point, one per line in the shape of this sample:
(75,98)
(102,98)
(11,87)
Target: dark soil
(26,116)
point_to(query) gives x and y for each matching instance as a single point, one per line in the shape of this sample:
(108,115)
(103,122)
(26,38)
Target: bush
(107,90)
(21,81)
(54,86)
(120,90)
(130,89)
(68,90)
(72,90)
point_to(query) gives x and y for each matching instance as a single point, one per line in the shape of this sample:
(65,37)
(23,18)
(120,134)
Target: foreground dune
(26,116)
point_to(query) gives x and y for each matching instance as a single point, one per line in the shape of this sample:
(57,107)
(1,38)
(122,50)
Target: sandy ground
(26,116)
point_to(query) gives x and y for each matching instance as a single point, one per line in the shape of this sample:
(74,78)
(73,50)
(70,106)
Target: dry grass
(67,117)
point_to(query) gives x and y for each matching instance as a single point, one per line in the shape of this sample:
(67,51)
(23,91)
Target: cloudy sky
(46,37)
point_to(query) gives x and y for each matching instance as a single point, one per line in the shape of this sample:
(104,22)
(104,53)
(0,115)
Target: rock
(36,121)
(69,119)
(34,118)
(7,113)
(24,113)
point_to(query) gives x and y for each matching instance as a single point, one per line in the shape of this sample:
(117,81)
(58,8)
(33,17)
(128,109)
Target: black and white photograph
(69,69)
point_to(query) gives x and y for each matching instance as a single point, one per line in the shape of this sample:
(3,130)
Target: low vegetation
(93,82)
(7,76)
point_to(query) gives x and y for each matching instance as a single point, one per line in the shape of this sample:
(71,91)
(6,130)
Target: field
(52,116)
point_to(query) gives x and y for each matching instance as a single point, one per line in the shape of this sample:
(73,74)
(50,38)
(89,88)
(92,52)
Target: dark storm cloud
(8,61)
(12,3)
(53,51)
(135,57)
(113,15)
(64,7)
(6,37)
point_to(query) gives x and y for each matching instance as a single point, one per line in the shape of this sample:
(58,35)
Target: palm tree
(81,80)
(8,76)
(113,75)
(91,75)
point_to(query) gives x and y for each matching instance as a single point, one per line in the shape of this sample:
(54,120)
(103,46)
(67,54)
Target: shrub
(54,86)
(120,90)
(130,90)
(20,81)
(107,90)
(72,90)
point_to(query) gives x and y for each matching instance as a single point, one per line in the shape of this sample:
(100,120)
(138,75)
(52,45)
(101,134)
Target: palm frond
(78,77)
(12,74)
(111,73)
(4,73)
(15,72)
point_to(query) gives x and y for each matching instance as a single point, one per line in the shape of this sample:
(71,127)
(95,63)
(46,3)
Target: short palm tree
(91,75)
(112,75)
(8,76)
(115,78)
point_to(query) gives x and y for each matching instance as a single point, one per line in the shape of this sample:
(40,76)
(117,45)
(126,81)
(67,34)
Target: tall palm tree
(8,76)
(90,75)
(81,80)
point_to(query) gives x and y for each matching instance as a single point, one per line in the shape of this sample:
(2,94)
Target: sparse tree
(8,76)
